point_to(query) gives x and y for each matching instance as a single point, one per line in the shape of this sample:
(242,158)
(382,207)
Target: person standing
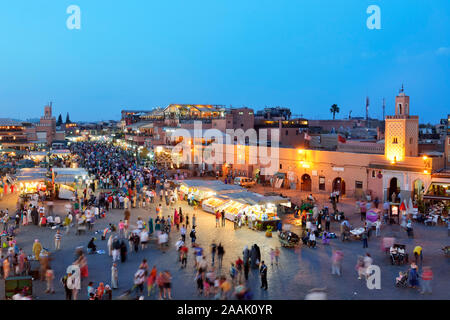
(114,276)
(223,218)
(213,252)
(73,283)
(183,233)
(377,227)
(194,221)
(58,240)
(66,288)
(413,276)
(427,276)
(49,277)
(217,218)
(263,273)
(327,222)
(277,255)
(37,248)
(364,237)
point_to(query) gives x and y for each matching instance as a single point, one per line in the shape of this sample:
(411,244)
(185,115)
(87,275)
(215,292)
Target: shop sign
(338,169)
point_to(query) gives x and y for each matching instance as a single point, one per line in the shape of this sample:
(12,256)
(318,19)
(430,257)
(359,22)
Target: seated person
(400,277)
(92,248)
(50,221)
(43,221)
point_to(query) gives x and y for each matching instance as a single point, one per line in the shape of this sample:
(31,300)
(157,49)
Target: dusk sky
(301,54)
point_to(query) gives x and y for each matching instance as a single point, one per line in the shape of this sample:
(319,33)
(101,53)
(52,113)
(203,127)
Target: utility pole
(367,111)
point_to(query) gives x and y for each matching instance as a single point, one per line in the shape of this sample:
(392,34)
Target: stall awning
(31,175)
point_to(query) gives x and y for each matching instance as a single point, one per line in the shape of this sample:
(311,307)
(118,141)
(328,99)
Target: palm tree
(334,109)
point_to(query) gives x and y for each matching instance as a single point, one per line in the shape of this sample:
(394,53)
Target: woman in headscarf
(246,254)
(123,251)
(150,226)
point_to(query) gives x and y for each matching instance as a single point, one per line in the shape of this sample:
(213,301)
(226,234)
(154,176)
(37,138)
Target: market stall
(212,204)
(32,180)
(205,189)
(264,209)
(37,156)
(67,179)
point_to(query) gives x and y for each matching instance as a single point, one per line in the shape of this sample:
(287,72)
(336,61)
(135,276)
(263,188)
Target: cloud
(443,51)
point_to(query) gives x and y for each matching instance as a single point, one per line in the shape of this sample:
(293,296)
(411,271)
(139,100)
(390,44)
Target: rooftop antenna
(402,89)
(350,114)
(384,107)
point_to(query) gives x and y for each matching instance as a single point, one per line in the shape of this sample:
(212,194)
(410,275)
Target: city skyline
(303,56)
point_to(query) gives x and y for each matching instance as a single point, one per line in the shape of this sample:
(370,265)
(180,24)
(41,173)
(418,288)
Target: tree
(334,109)
(68,119)
(59,121)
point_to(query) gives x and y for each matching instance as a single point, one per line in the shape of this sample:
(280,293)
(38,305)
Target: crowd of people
(120,182)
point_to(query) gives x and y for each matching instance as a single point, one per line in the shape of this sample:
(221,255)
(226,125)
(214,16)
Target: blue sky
(302,54)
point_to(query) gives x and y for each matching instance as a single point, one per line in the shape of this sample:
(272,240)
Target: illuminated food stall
(264,208)
(31,180)
(212,204)
(37,156)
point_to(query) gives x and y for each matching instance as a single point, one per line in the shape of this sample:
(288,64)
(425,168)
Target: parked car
(244,182)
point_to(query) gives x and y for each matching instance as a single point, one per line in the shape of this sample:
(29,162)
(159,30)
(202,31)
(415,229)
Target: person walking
(139,279)
(336,267)
(49,277)
(151,280)
(427,276)
(114,276)
(263,273)
(220,254)
(193,236)
(364,237)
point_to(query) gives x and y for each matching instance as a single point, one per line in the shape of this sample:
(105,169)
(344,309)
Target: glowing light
(424,157)
(300,151)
